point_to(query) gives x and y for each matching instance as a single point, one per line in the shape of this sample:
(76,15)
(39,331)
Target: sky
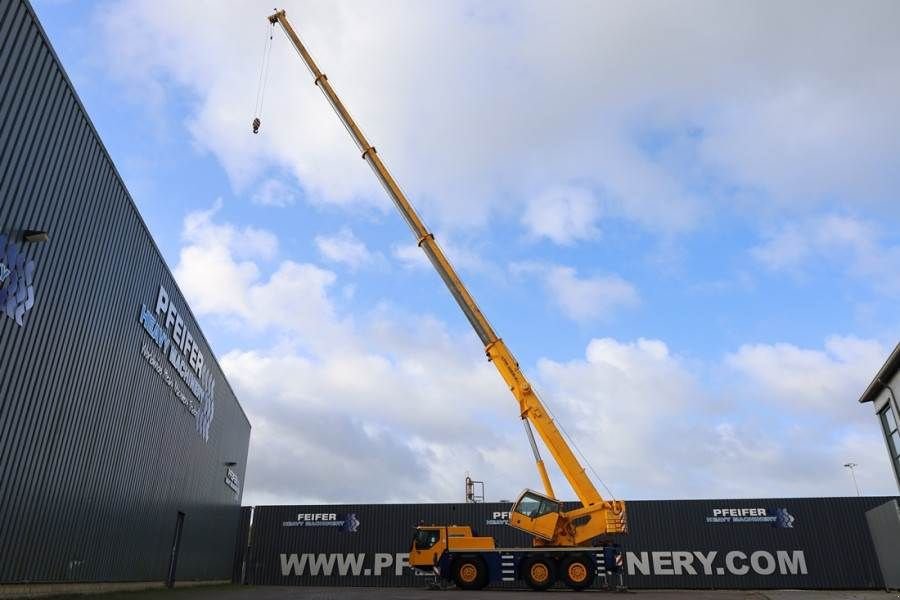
(681,218)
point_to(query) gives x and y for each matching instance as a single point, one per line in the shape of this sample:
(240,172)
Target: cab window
(534,506)
(426,538)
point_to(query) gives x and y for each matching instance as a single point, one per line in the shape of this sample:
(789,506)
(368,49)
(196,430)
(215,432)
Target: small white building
(882,392)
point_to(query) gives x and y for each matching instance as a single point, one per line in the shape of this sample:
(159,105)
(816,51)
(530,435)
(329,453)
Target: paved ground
(336,593)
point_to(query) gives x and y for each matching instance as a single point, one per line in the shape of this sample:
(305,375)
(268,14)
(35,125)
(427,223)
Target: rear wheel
(470,573)
(577,572)
(539,573)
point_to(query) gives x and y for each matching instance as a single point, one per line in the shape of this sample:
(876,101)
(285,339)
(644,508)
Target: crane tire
(577,571)
(539,572)
(470,573)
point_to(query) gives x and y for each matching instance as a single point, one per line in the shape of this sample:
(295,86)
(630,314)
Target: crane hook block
(256,124)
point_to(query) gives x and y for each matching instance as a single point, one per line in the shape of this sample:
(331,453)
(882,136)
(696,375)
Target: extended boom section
(539,514)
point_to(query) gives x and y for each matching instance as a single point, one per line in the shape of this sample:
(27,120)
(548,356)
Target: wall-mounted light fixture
(35,235)
(230,464)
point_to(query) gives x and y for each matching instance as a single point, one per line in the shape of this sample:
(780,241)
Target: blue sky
(685,228)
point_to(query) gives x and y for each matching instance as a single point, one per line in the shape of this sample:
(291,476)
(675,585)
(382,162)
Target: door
(176,545)
(535,513)
(427,547)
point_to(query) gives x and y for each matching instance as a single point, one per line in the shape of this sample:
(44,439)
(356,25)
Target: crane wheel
(470,573)
(539,573)
(577,572)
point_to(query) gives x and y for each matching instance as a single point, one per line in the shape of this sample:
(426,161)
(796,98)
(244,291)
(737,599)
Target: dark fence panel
(97,455)
(811,543)
(240,545)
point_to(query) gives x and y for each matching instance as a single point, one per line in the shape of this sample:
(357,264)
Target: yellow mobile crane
(563,540)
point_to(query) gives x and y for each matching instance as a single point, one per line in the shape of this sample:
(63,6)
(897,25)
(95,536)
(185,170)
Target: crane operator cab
(535,513)
(543,517)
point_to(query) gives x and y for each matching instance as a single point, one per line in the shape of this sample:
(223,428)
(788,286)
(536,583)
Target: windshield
(533,505)
(426,538)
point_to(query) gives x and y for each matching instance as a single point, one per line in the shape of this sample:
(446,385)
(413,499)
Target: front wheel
(470,573)
(539,573)
(577,572)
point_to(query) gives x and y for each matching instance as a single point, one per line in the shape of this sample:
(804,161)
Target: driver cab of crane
(425,539)
(533,505)
(535,513)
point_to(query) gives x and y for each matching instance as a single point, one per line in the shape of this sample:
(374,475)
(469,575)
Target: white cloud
(795,102)
(563,215)
(581,298)
(627,406)
(462,257)
(401,422)
(274,192)
(214,268)
(859,246)
(784,250)
(218,276)
(410,256)
(394,407)
(653,429)
(321,402)
(591,297)
(345,248)
(824,382)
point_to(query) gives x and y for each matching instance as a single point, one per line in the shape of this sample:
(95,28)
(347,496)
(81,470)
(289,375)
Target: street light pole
(851,466)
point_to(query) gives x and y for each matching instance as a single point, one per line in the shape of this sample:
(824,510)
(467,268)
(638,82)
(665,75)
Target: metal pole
(851,466)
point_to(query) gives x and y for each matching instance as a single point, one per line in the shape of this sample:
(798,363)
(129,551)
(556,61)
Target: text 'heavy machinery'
(565,541)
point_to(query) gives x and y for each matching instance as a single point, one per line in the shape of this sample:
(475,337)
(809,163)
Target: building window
(889,422)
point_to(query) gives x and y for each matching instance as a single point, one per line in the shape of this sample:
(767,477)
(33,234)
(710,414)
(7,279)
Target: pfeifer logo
(351,523)
(16,281)
(783,519)
(347,523)
(776,517)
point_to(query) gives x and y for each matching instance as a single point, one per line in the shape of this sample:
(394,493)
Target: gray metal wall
(815,543)
(884,525)
(97,455)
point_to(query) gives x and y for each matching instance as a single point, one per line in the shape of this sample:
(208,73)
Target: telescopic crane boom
(540,515)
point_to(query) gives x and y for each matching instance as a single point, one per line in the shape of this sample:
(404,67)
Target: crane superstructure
(540,514)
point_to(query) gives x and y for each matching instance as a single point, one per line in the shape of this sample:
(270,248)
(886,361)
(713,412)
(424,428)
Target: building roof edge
(885,373)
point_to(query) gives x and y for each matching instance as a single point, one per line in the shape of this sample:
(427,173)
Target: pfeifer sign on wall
(805,543)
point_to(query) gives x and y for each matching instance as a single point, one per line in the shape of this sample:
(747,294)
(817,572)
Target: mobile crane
(564,543)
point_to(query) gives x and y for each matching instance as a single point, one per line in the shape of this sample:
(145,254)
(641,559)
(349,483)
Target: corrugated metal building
(116,422)
(770,543)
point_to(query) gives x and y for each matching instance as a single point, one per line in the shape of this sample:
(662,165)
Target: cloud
(825,382)
(387,424)
(391,406)
(218,276)
(274,192)
(210,270)
(789,108)
(410,256)
(613,385)
(344,248)
(563,215)
(653,426)
(857,245)
(463,257)
(581,299)
(372,409)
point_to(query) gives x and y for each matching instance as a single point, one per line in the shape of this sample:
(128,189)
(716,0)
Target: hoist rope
(263,76)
